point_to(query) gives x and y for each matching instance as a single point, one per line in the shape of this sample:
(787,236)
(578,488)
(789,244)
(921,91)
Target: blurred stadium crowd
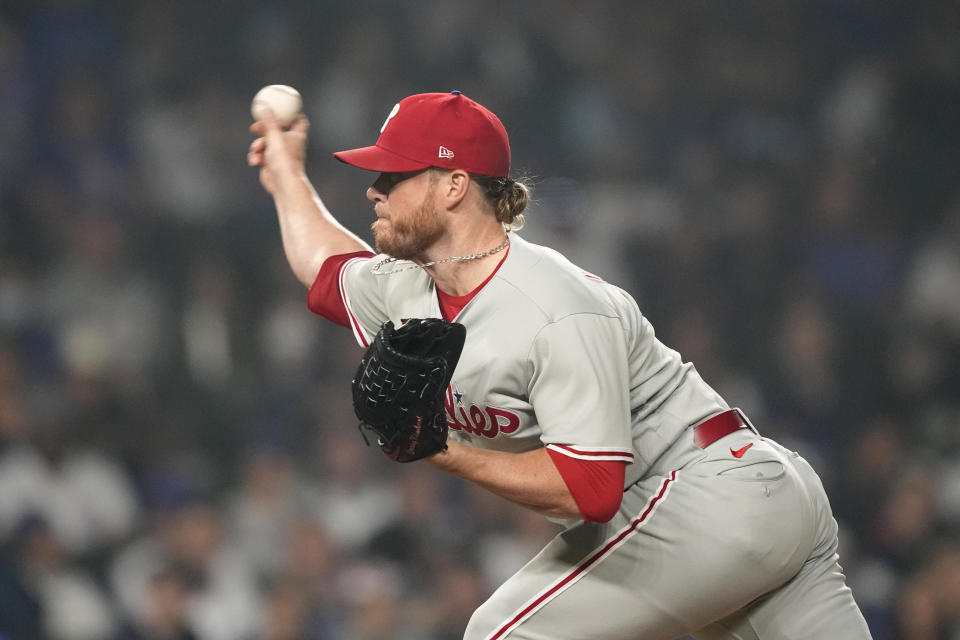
(776,182)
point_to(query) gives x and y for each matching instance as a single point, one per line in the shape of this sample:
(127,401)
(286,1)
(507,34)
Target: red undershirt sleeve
(324,298)
(596,485)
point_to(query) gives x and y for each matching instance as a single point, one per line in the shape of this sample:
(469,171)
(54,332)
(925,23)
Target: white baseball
(284,101)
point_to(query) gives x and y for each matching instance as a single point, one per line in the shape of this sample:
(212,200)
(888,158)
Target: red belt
(722,424)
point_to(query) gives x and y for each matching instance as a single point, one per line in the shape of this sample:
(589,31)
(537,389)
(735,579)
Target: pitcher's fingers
(267,125)
(273,130)
(301,124)
(255,153)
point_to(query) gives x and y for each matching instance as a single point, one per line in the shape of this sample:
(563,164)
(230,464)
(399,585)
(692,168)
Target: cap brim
(379,159)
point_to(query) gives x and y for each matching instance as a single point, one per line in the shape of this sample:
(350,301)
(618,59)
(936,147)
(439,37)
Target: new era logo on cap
(423,130)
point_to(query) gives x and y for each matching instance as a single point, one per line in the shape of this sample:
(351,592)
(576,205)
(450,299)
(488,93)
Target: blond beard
(410,237)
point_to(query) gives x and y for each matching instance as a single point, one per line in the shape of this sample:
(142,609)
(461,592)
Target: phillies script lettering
(488,422)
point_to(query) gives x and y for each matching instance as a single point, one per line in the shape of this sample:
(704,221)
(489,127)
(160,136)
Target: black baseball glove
(399,387)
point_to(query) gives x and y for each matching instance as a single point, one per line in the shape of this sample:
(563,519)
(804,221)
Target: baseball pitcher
(500,362)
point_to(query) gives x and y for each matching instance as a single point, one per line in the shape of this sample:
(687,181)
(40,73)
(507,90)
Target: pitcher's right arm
(310,232)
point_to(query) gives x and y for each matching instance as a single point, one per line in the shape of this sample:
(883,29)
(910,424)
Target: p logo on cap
(393,112)
(445,130)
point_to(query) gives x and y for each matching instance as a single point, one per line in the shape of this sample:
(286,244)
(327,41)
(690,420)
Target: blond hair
(509,198)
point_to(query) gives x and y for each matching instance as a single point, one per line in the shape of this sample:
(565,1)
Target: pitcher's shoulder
(557,286)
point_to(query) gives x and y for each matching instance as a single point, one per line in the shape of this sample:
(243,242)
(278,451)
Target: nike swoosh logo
(742,450)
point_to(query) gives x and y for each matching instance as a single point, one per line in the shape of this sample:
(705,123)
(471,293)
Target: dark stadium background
(776,182)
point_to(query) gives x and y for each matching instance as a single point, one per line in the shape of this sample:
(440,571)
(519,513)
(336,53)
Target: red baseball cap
(445,130)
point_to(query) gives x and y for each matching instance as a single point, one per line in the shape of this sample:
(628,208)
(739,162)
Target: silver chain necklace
(472,256)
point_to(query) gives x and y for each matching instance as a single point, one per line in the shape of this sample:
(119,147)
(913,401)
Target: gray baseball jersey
(557,357)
